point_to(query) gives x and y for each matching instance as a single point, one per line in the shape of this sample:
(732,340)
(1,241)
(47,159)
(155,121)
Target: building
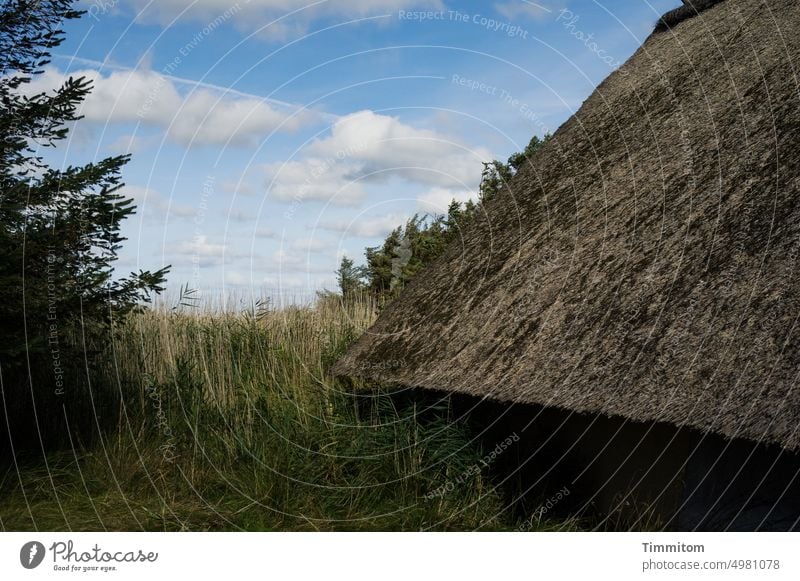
(639,278)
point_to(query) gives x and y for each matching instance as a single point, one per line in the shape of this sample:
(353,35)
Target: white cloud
(365,148)
(200,246)
(380,143)
(255,15)
(314,179)
(132,143)
(120,96)
(150,202)
(265,233)
(366,226)
(142,196)
(241,216)
(203,116)
(205,252)
(296,287)
(294,261)
(436,200)
(238,187)
(236,278)
(310,245)
(181,211)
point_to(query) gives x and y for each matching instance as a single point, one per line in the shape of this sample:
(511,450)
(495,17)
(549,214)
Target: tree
(516,160)
(496,174)
(455,217)
(409,248)
(348,276)
(494,177)
(59,234)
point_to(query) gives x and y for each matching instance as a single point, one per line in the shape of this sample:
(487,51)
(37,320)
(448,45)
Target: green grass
(232,422)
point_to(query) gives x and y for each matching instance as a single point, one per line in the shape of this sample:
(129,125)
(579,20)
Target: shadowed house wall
(741,486)
(637,475)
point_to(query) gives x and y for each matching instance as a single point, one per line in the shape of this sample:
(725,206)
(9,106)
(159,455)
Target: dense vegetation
(231,421)
(422,239)
(60,233)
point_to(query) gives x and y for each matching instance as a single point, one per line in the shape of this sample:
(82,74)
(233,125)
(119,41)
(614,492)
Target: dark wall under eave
(625,475)
(739,485)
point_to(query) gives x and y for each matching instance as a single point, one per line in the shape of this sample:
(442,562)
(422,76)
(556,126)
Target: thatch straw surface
(646,263)
(689,9)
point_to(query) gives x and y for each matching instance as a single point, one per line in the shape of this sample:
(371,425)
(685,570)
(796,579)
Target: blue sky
(269,137)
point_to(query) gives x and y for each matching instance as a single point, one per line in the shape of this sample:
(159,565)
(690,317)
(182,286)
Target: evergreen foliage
(60,234)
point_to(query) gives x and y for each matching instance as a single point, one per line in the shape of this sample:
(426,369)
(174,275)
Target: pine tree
(59,234)
(348,277)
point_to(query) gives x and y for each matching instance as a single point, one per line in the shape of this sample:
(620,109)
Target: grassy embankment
(231,421)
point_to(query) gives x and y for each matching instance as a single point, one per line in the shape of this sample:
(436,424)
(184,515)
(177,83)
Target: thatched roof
(689,9)
(646,263)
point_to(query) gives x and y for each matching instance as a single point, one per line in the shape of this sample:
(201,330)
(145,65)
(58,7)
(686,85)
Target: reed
(228,419)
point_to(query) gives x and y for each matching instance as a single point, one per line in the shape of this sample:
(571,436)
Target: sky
(271,137)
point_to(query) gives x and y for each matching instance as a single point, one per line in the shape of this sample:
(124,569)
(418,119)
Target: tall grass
(230,420)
